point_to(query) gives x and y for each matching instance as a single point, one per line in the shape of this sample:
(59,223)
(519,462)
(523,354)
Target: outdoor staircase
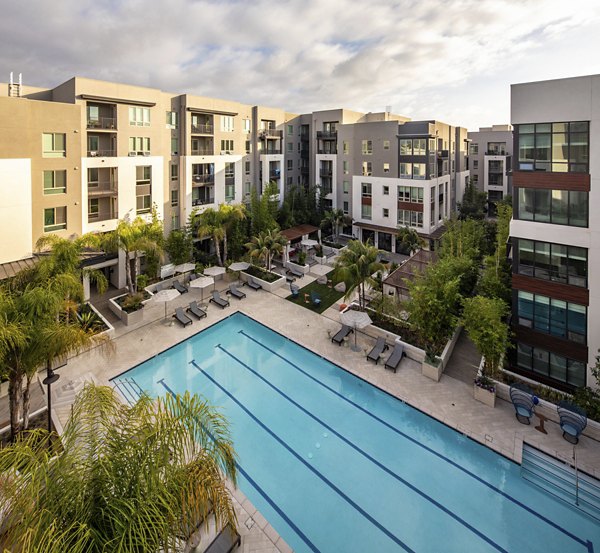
(562,480)
(63,397)
(129,389)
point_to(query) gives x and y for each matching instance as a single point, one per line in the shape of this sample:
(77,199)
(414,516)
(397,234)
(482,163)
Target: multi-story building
(555,238)
(490,158)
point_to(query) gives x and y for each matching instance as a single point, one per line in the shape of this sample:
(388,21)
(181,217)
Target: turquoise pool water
(337,465)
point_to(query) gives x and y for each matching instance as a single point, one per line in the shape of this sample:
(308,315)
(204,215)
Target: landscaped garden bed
(261,273)
(328,296)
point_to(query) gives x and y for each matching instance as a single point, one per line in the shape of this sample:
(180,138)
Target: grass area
(328,296)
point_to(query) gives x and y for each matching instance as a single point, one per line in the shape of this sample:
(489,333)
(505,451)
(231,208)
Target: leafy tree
(263,209)
(265,245)
(231,215)
(128,478)
(333,220)
(463,238)
(209,223)
(462,268)
(355,265)
(409,240)
(474,203)
(179,246)
(484,320)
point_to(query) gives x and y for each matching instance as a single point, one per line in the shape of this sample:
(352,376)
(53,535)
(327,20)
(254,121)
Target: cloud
(418,56)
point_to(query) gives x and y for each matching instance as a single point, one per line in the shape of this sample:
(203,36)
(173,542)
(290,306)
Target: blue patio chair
(294,290)
(523,401)
(315,298)
(573,420)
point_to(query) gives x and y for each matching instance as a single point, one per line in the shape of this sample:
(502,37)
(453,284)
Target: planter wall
(126,318)
(484,396)
(321,260)
(301,268)
(110,331)
(268,286)
(432,371)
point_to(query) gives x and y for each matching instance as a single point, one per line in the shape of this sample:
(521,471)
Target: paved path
(464,361)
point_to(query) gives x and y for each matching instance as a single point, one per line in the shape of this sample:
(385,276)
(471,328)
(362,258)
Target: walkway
(464,362)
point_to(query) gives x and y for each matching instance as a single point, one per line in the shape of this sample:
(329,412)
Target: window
(55,182)
(93,208)
(386,212)
(174,198)
(419,146)
(55,218)
(346,147)
(365,211)
(551,365)
(559,207)
(475,164)
(143,174)
(54,144)
(142,204)
(174,146)
(386,190)
(345,167)
(93,144)
(143,181)
(290,164)
(556,147)
(474,149)
(367,168)
(346,186)
(247,167)
(174,171)
(556,262)
(419,171)
(247,124)
(139,117)
(174,221)
(227,146)
(345,208)
(367,147)
(404,193)
(406,170)
(172,120)
(409,218)
(290,130)
(227,123)
(475,179)
(416,194)
(496,148)
(290,146)
(386,167)
(366,189)
(386,144)
(139,145)
(406,147)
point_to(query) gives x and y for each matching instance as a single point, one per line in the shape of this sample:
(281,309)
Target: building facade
(554,234)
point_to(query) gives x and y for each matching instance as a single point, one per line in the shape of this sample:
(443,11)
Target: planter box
(110,331)
(432,371)
(268,286)
(301,268)
(126,318)
(484,396)
(321,260)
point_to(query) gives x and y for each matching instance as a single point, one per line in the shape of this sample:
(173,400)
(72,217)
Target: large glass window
(419,171)
(367,147)
(419,146)
(559,207)
(366,189)
(55,182)
(549,364)
(365,211)
(556,147)
(406,170)
(406,148)
(409,218)
(54,144)
(404,193)
(55,218)
(139,117)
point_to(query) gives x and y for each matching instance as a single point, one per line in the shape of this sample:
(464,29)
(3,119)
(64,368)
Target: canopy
(309,242)
(165,296)
(239,266)
(214,271)
(355,319)
(185,267)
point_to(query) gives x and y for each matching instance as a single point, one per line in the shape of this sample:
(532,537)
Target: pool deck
(450,400)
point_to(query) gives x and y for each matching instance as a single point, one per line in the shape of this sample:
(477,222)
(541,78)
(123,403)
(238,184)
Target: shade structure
(166,296)
(309,242)
(355,319)
(239,266)
(214,271)
(185,267)
(201,282)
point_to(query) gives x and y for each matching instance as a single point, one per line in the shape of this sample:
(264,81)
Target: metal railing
(270,133)
(327,135)
(203,152)
(326,173)
(102,188)
(102,215)
(203,179)
(203,201)
(102,123)
(102,153)
(203,129)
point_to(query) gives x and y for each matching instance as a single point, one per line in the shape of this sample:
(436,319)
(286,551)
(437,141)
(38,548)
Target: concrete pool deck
(449,400)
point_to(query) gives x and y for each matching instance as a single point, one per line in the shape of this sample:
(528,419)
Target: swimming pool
(335,464)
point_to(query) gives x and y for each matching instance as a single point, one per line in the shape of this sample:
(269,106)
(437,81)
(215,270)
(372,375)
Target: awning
(298,231)
(10,269)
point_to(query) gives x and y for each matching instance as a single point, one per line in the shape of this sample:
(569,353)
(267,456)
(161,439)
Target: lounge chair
(377,350)
(573,420)
(294,290)
(251,283)
(196,310)
(395,358)
(295,272)
(233,291)
(216,298)
(523,401)
(315,298)
(179,287)
(193,276)
(182,317)
(341,334)
(225,542)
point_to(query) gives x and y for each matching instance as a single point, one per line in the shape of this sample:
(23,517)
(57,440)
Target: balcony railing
(102,123)
(102,153)
(327,135)
(326,190)
(202,129)
(103,215)
(203,179)
(442,154)
(269,133)
(326,173)
(203,201)
(496,153)
(229,180)
(271,151)
(102,188)
(322,151)
(203,152)
(304,170)
(274,174)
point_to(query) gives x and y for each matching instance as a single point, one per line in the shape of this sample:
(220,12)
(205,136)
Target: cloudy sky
(451,60)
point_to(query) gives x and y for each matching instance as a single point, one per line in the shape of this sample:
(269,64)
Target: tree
(355,264)
(133,237)
(409,240)
(209,224)
(127,478)
(265,245)
(179,246)
(463,238)
(231,215)
(263,209)
(333,219)
(474,203)
(484,321)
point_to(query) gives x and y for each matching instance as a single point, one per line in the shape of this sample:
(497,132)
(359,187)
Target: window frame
(52,190)
(54,226)
(54,151)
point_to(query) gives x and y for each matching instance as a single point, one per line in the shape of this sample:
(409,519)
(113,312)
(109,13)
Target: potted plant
(484,390)
(302,258)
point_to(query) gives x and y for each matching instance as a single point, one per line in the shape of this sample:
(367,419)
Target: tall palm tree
(334,219)
(265,245)
(127,478)
(409,239)
(230,215)
(355,265)
(210,224)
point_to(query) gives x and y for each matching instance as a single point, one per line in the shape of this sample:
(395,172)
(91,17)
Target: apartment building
(490,159)
(555,237)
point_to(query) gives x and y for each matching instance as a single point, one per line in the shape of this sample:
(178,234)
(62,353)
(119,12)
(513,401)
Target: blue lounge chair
(395,358)
(573,420)
(378,349)
(216,298)
(341,334)
(523,401)
(182,317)
(315,298)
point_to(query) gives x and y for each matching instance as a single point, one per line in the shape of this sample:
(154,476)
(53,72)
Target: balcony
(102,123)
(327,135)
(496,153)
(265,134)
(229,180)
(271,151)
(202,180)
(103,215)
(101,153)
(206,200)
(274,174)
(327,151)
(442,154)
(326,189)
(100,189)
(304,170)
(202,128)
(203,152)
(326,173)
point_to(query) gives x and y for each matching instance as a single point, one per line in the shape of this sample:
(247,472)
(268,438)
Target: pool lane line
(368,456)
(264,494)
(585,543)
(352,503)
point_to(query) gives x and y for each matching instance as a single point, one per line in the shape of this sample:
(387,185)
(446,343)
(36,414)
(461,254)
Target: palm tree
(127,478)
(334,219)
(355,265)
(265,245)
(409,239)
(210,224)
(133,237)
(230,215)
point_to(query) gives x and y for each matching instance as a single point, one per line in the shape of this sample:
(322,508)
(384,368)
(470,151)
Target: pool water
(337,465)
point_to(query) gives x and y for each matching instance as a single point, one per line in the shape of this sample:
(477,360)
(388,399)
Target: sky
(451,60)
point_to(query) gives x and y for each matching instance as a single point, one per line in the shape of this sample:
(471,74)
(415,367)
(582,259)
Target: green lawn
(328,296)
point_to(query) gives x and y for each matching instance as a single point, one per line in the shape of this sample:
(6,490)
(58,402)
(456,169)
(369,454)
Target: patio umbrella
(201,282)
(213,272)
(185,267)
(309,243)
(239,266)
(355,319)
(166,296)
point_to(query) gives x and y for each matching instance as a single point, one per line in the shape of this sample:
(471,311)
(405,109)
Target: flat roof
(298,231)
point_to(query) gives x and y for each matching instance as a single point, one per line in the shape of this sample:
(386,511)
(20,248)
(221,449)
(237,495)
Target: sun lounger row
(194,309)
